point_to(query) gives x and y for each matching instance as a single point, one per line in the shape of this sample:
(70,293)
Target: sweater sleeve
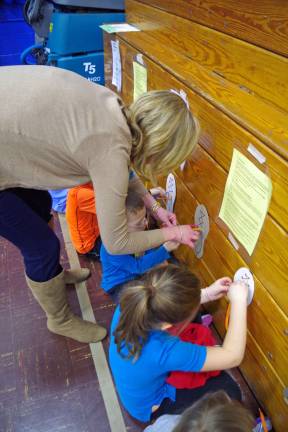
(139,265)
(109,172)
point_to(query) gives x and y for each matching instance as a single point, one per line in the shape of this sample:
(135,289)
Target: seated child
(142,353)
(82,220)
(214,412)
(119,269)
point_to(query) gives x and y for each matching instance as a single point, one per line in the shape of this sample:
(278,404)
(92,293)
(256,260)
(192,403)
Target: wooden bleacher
(230,58)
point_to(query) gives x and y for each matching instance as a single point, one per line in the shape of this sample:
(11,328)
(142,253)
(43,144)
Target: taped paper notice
(256,153)
(139,59)
(171,192)
(117,28)
(140,80)
(201,218)
(244,275)
(182,166)
(116,65)
(246,200)
(233,241)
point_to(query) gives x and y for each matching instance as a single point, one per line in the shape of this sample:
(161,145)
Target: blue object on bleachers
(15,34)
(90,66)
(75,42)
(70,33)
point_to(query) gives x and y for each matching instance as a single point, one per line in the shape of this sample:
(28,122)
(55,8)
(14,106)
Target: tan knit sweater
(58,130)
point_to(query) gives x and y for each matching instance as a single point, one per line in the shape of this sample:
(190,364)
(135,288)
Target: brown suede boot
(77,275)
(51,296)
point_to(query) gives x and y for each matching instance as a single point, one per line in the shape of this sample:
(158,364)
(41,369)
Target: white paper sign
(116,62)
(201,218)
(243,274)
(171,192)
(182,166)
(256,153)
(233,241)
(119,27)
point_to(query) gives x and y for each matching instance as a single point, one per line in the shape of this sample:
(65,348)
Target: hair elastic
(182,95)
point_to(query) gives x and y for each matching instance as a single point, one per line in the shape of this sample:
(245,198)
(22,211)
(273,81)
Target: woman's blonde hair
(168,294)
(164,133)
(216,412)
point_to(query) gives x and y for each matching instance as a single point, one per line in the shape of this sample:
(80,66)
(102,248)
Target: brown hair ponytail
(164,295)
(216,412)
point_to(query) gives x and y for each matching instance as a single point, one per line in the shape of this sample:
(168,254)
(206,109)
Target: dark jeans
(186,397)
(94,253)
(24,214)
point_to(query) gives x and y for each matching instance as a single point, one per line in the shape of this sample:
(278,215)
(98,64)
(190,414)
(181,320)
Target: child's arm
(140,265)
(86,200)
(232,351)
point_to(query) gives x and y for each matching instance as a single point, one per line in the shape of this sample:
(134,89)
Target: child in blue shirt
(142,353)
(119,269)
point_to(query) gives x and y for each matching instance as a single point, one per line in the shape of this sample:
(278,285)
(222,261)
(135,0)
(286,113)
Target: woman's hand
(167,218)
(217,290)
(186,235)
(183,234)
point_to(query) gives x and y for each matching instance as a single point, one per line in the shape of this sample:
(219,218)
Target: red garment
(199,335)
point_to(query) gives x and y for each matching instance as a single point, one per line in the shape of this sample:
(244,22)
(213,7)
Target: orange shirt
(81,217)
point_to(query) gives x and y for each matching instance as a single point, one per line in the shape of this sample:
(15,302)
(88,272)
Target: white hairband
(183,96)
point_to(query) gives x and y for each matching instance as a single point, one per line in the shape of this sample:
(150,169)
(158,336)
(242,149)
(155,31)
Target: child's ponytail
(164,295)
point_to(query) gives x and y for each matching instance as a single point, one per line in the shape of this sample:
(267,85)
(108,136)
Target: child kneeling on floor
(142,353)
(119,269)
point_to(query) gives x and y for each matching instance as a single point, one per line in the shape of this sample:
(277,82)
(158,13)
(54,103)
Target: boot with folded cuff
(73,276)
(51,296)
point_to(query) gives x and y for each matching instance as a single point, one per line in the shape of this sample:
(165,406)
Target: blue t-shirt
(118,269)
(142,384)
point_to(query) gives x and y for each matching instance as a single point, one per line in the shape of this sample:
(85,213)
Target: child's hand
(158,192)
(218,289)
(167,218)
(171,245)
(238,292)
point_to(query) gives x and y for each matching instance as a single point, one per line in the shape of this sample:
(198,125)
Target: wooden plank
(261,22)
(204,166)
(222,259)
(262,308)
(263,318)
(263,120)
(206,180)
(263,73)
(262,377)
(220,135)
(264,383)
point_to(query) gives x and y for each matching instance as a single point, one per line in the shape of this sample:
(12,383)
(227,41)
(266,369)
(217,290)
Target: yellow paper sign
(140,80)
(246,200)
